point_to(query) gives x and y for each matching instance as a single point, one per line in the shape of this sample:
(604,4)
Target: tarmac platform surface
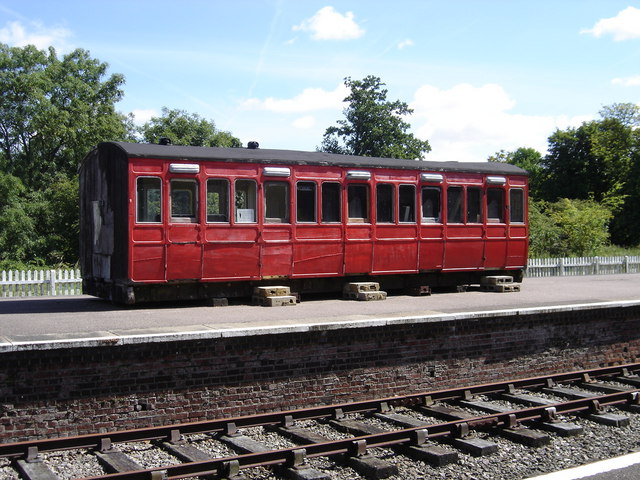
(29,322)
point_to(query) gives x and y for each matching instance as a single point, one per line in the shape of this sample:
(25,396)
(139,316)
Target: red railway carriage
(171,222)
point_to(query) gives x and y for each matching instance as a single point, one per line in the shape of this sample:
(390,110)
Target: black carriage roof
(293,157)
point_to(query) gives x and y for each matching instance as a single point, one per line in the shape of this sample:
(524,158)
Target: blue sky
(480,75)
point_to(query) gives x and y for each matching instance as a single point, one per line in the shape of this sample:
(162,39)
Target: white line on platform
(592,468)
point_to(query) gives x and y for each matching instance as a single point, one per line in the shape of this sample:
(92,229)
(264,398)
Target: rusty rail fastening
(351,446)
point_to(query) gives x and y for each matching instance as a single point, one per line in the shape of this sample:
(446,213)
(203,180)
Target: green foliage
(183,128)
(374,127)
(53,110)
(600,160)
(17,228)
(528,159)
(628,114)
(568,228)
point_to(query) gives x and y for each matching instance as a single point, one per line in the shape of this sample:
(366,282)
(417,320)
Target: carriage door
(517,245)
(496,238)
(184,246)
(276,255)
(432,226)
(358,244)
(464,248)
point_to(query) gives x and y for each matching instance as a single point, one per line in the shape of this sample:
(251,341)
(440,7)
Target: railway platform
(70,363)
(37,321)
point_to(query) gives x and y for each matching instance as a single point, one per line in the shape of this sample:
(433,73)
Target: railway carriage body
(165,222)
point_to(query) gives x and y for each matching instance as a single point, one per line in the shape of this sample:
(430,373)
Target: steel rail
(358,445)
(168,432)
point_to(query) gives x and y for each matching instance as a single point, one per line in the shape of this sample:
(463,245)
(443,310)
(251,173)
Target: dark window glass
(474,205)
(407,203)
(454,205)
(331,203)
(516,205)
(495,205)
(384,203)
(358,200)
(431,205)
(184,200)
(149,200)
(217,200)
(245,201)
(276,202)
(306,202)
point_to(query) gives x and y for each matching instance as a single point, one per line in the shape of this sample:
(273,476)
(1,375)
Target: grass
(615,251)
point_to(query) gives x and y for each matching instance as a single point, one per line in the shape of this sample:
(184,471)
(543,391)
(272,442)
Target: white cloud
(143,116)
(17,35)
(462,123)
(311,99)
(624,26)
(467,123)
(304,123)
(328,24)
(627,81)
(405,43)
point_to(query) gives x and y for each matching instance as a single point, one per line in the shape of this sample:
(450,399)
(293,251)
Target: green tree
(373,127)
(183,128)
(568,228)
(600,160)
(52,111)
(17,228)
(628,114)
(544,234)
(528,159)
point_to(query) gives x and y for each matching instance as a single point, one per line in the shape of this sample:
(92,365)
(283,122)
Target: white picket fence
(555,267)
(14,283)
(31,283)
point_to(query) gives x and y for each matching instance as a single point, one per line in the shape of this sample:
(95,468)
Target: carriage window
(385,206)
(516,205)
(245,201)
(358,202)
(474,205)
(431,210)
(407,203)
(331,203)
(149,200)
(276,202)
(495,205)
(306,202)
(454,205)
(217,200)
(184,201)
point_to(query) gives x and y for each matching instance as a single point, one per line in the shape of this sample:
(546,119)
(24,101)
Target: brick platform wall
(75,391)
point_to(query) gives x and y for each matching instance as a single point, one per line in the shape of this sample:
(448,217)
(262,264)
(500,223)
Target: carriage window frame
(474,205)
(407,203)
(358,203)
(245,201)
(306,202)
(385,203)
(495,205)
(276,202)
(516,205)
(428,194)
(144,203)
(185,196)
(455,204)
(221,215)
(331,202)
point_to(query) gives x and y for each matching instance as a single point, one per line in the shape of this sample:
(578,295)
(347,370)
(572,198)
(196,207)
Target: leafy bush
(568,228)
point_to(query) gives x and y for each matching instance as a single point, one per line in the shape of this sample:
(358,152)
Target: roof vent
(164,141)
(253,145)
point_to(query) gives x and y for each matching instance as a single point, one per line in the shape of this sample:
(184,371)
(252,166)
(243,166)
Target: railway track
(437,428)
